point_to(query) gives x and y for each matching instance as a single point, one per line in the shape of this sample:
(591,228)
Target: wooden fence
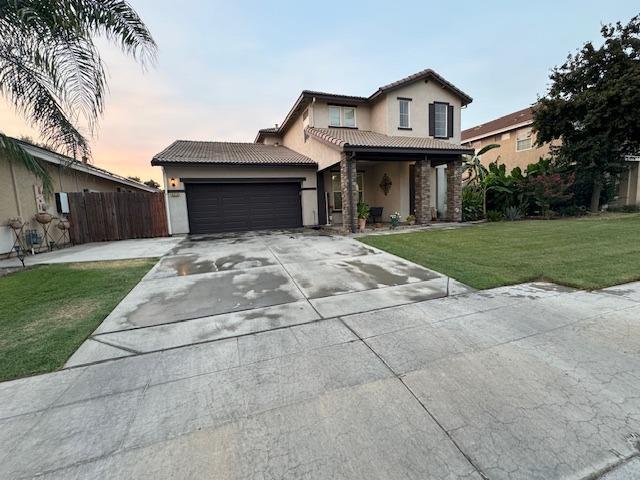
(105,216)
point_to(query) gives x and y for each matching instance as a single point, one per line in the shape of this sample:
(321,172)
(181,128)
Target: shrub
(471,204)
(494,215)
(630,208)
(512,213)
(363,210)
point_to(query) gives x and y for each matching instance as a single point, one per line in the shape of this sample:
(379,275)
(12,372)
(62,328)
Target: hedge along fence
(106,216)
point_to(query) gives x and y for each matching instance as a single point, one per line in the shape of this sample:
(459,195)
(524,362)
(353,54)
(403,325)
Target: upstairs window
(523,140)
(342,116)
(440,120)
(403,104)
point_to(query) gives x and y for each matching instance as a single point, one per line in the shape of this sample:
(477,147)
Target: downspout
(166,201)
(351,158)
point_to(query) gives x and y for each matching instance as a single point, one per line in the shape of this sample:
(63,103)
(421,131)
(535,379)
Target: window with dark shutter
(450,121)
(432,119)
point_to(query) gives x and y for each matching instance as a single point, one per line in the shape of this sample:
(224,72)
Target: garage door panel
(223,207)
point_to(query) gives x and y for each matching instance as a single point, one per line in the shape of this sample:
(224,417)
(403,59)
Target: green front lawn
(46,312)
(588,253)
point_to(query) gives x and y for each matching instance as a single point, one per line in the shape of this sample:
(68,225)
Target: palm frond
(11,150)
(50,68)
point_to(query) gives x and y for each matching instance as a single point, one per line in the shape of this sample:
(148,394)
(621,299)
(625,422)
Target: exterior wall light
(172,182)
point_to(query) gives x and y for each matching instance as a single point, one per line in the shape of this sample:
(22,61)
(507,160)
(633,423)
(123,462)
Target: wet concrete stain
(212,295)
(188,265)
(382,276)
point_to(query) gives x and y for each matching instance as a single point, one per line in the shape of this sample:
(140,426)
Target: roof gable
(308,95)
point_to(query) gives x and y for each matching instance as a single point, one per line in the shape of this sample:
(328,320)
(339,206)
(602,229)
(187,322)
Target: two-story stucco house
(397,149)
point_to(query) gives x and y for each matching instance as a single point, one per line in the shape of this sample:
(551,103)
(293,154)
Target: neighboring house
(398,149)
(514,133)
(21,192)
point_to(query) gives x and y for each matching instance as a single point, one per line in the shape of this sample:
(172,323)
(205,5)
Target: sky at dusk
(226,69)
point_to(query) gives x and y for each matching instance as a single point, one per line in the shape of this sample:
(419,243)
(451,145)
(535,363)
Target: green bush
(363,210)
(512,213)
(494,215)
(471,204)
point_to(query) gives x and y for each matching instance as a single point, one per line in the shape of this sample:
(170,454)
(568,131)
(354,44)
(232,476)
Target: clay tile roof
(342,137)
(188,151)
(516,118)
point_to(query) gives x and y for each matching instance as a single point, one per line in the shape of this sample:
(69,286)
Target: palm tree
(478,172)
(52,73)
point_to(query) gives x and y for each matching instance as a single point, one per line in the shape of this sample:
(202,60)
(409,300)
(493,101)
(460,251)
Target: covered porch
(426,185)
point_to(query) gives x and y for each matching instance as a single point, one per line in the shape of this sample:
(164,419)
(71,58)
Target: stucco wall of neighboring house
(629,187)
(294,138)
(177,199)
(21,201)
(507,150)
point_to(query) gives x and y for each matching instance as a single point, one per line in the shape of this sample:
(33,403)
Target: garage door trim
(262,205)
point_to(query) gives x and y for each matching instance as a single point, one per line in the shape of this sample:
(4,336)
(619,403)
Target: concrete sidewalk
(99,251)
(525,382)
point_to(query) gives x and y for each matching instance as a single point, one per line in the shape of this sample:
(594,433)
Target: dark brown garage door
(235,207)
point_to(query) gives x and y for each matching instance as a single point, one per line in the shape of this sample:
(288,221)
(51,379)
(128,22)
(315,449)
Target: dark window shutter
(432,119)
(450,121)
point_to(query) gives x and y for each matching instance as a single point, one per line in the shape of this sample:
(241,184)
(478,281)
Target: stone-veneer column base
(423,191)
(349,201)
(454,191)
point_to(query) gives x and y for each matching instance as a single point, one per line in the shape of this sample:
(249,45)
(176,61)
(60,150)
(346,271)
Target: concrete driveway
(531,381)
(209,288)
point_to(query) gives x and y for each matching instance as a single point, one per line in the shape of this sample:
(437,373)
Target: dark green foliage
(512,213)
(472,204)
(363,210)
(592,109)
(494,215)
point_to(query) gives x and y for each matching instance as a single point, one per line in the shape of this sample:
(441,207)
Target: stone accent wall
(423,191)
(349,213)
(454,191)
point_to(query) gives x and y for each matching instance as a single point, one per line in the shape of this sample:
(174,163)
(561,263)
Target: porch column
(423,191)
(349,187)
(454,190)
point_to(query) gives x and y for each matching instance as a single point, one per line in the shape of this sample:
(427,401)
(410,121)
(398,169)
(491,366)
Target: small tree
(478,173)
(592,107)
(135,179)
(152,183)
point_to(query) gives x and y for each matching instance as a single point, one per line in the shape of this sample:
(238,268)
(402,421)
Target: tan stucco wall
(421,94)
(507,151)
(178,202)
(22,201)
(323,154)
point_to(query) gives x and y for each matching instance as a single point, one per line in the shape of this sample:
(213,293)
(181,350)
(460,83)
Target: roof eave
(162,163)
(425,151)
